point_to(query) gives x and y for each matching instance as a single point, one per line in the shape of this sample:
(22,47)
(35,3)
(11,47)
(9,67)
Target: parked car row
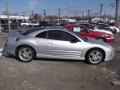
(55,43)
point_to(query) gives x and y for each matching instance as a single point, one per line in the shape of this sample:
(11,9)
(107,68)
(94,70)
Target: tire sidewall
(89,52)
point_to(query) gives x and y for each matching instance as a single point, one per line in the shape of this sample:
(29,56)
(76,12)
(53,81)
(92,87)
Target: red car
(82,31)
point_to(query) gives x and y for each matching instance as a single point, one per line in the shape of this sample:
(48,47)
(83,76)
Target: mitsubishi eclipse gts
(56,44)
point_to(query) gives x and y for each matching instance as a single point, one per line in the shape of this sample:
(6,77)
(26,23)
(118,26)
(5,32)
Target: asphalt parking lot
(59,75)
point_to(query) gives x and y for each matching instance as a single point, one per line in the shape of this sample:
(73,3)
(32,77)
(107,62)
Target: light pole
(101,10)
(68,11)
(59,14)
(8,18)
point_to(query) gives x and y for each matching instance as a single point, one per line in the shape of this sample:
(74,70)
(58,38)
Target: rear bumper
(8,51)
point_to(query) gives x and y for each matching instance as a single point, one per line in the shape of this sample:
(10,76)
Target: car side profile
(57,44)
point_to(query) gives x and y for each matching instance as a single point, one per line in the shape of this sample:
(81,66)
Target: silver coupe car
(56,44)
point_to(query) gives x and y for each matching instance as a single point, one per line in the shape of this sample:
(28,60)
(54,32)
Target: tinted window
(61,35)
(102,26)
(42,35)
(89,26)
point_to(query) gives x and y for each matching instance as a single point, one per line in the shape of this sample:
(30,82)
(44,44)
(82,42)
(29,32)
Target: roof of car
(33,29)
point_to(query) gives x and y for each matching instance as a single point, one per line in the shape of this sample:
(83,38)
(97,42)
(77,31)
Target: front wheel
(25,54)
(95,56)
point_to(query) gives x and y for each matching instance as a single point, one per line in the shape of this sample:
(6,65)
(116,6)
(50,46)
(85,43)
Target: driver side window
(61,35)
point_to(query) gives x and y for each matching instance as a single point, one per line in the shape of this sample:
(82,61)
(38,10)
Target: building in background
(14,21)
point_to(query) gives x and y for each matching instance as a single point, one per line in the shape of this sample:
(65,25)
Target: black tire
(91,60)
(24,58)
(101,39)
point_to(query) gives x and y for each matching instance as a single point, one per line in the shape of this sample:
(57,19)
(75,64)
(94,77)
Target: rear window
(28,31)
(42,35)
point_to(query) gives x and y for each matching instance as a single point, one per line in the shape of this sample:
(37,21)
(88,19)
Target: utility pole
(68,11)
(8,18)
(88,15)
(88,12)
(101,9)
(59,14)
(116,12)
(44,12)
(0,25)
(44,15)
(32,13)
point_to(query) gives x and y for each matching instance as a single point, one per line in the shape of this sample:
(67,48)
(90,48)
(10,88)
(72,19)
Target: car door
(63,44)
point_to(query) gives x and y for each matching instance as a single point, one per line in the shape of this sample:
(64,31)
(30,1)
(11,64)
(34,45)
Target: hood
(97,32)
(94,41)
(104,31)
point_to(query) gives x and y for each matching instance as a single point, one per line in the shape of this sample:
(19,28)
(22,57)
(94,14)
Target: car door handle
(50,44)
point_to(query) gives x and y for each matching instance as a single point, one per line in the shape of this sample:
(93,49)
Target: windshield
(83,38)
(89,26)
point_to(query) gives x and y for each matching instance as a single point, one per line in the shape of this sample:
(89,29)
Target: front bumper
(110,55)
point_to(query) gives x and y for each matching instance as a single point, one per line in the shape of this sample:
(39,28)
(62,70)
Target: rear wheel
(95,56)
(25,54)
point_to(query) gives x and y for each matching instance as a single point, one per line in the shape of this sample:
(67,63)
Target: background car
(92,27)
(57,44)
(106,26)
(82,31)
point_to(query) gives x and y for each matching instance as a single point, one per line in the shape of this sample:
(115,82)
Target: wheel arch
(23,46)
(93,49)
